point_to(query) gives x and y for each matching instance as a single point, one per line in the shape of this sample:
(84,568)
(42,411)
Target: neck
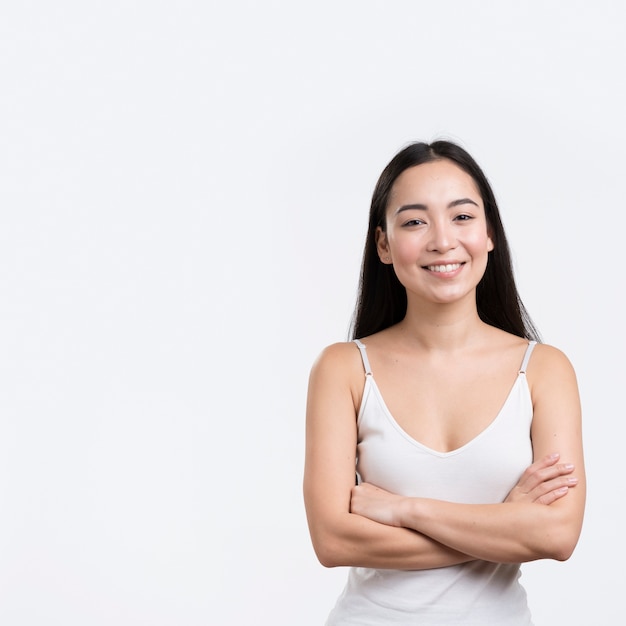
(442,327)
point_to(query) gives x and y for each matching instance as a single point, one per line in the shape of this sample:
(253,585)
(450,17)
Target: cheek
(405,249)
(480,242)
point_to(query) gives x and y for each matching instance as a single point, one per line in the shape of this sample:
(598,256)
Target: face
(436,235)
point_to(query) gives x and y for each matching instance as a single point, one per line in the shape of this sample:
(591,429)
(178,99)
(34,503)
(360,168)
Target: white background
(184,189)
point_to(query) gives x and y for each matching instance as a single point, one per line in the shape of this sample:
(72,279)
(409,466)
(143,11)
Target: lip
(444,268)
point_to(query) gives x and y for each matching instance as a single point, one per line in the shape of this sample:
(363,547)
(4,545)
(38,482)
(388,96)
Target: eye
(413,222)
(463,217)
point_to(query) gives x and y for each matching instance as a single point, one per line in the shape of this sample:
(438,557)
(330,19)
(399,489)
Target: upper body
(443,401)
(444,371)
(482,470)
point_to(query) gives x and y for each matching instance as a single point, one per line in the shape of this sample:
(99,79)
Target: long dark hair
(381,300)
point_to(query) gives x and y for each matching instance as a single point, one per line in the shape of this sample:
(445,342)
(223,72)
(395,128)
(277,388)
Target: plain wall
(184,190)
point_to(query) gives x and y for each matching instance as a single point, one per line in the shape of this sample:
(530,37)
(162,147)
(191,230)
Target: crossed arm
(369,527)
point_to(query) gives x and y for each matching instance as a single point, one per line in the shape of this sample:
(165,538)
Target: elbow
(328,558)
(332,543)
(327,550)
(563,550)
(556,536)
(561,547)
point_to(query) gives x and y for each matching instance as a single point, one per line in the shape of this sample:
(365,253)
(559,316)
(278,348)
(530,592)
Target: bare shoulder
(337,356)
(340,361)
(550,368)
(547,359)
(338,372)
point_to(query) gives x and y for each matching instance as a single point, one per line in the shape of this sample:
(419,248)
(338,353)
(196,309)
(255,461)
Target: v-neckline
(370,379)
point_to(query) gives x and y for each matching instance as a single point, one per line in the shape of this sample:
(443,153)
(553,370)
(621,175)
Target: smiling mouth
(450,267)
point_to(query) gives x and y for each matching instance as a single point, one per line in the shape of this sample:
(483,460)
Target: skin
(444,375)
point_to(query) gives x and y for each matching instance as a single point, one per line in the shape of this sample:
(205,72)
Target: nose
(442,237)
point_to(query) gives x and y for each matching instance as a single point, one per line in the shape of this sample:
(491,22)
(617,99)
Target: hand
(543,482)
(376,504)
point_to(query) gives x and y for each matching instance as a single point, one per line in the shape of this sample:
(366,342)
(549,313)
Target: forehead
(437,180)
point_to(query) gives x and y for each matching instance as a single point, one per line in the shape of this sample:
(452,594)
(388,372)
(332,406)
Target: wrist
(408,512)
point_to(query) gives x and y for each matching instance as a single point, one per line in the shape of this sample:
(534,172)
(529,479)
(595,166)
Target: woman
(463,429)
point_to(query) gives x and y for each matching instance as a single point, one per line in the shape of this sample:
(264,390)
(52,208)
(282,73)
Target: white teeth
(444,268)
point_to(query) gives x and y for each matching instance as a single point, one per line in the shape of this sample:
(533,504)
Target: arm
(520,529)
(339,536)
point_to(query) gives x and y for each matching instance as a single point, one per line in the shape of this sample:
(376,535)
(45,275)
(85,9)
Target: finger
(562,482)
(553,495)
(549,473)
(556,471)
(543,463)
(530,482)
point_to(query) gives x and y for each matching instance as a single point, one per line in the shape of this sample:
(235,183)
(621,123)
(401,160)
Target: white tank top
(484,470)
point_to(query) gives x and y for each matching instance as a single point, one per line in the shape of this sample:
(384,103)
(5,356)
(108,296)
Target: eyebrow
(423,207)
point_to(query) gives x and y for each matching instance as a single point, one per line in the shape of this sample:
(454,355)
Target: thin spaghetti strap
(366,363)
(529,351)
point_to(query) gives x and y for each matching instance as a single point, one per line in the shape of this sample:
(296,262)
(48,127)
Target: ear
(490,244)
(382,246)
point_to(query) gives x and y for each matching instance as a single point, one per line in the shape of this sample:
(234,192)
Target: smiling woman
(435,233)
(444,442)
